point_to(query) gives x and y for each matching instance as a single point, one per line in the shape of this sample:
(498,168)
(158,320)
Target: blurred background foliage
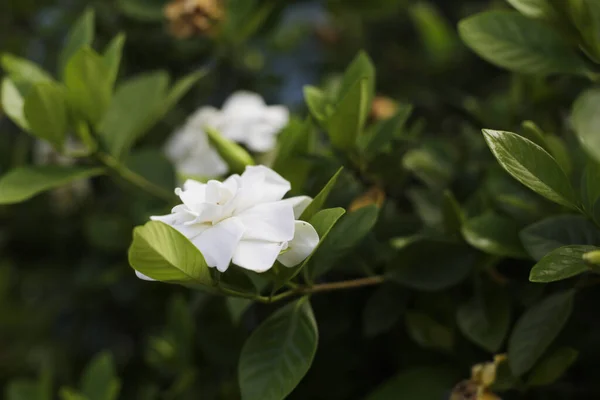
(71,307)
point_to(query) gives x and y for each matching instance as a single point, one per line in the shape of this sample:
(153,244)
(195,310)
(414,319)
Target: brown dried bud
(327,34)
(189,18)
(375,195)
(383,108)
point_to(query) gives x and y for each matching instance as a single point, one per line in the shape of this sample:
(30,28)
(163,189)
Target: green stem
(323,287)
(133,177)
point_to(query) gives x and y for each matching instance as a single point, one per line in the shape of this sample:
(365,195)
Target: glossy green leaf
(562,263)
(23,71)
(162,253)
(585,15)
(278,353)
(236,157)
(586,121)
(384,309)
(13,103)
(532,8)
(360,68)
(317,103)
(531,165)
(23,183)
(431,265)
(46,112)
(135,109)
(515,42)
(346,234)
(80,35)
(112,56)
(551,233)
(349,116)
(552,367)
(319,201)
(89,83)
(536,330)
(422,383)
(494,234)
(99,380)
(485,318)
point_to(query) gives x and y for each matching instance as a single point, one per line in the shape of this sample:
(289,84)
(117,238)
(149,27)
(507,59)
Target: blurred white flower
(244,118)
(244,220)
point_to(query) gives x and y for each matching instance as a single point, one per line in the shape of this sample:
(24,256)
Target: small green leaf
(585,15)
(431,265)
(520,44)
(99,380)
(112,57)
(237,306)
(23,183)
(422,383)
(360,68)
(536,330)
(320,199)
(89,83)
(349,116)
(452,214)
(388,130)
(551,233)
(494,234)
(46,111)
(162,253)
(236,157)
(485,319)
(80,35)
(383,309)
(317,103)
(562,263)
(532,8)
(13,103)
(67,393)
(134,110)
(23,389)
(427,332)
(590,189)
(531,165)
(552,367)
(586,121)
(279,353)
(23,71)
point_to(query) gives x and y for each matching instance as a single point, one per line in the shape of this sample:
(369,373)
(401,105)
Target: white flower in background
(244,220)
(244,118)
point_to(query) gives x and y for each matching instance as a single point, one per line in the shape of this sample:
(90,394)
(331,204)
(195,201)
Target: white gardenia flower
(244,220)
(244,118)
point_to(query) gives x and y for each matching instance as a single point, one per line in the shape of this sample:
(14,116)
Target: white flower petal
(277,117)
(256,255)
(243,104)
(144,277)
(219,242)
(269,221)
(203,117)
(261,139)
(299,203)
(304,242)
(260,184)
(182,222)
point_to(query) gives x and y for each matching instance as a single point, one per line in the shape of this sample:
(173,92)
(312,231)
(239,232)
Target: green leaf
(346,234)
(585,14)
(236,157)
(551,233)
(67,393)
(46,111)
(80,35)
(112,57)
(99,380)
(360,68)
(431,265)
(143,10)
(23,183)
(494,234)
(586,121)
(162,253)
(12,103)
(134,110)
(427,332)
(349,116)
(452,214)
(384,309)
(388,130)
(422,383)
(431,164)
(237,307)
(323,222)
(278,353)
(89,83)
(23,71)
(536,330)
(531,165)
(515,42)
(317,103)
(562,263)
(23,389)
(552,367)
(320,199)
(590,189)
(437,36)
(181,87)
(532,8)
(485,319)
